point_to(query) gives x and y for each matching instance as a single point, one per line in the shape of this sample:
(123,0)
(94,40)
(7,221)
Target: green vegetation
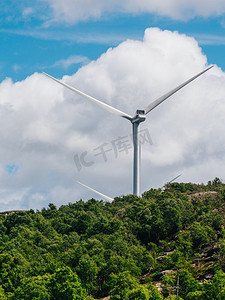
(168,242)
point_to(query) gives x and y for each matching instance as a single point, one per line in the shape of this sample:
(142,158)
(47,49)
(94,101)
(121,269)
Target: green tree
(173,297)
(154,294)
(198,295)
(33,288)
(121,284)
(139,293)
(187,283)
(199,235)
(87,271)
(216,289)
(65,285)
(13,268)
(2,294)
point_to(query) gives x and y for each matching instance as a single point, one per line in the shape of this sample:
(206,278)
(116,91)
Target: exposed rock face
(206,256)
(120,212)
(159,286)
(9,212)
(210,251)
(202,195)
(165,272)
(160,258)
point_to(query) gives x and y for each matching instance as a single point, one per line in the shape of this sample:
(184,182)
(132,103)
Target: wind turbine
(135,120)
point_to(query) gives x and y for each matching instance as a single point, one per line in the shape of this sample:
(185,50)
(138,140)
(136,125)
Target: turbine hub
(139,116)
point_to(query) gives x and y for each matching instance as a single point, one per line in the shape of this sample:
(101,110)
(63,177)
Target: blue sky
(126,54)
(32,42)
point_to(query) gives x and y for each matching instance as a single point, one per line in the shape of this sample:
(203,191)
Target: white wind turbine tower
(135,120)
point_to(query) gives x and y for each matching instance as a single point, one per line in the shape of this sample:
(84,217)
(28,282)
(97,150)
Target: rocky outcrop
(158,276)
(202,195)
(9,212)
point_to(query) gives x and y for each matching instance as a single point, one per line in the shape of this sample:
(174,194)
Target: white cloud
(27,12)
(209,39)
(72,11)
(43,125)
(61,35)
(72,60)
(16,68)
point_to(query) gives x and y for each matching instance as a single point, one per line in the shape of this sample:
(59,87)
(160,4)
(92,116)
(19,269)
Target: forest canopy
(169,243)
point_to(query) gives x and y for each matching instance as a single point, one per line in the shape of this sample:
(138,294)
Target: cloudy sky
(126,55)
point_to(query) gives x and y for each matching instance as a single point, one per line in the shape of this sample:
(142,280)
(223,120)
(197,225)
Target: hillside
(168,242)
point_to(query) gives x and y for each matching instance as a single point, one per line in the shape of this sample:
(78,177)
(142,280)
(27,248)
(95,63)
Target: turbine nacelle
(139,117)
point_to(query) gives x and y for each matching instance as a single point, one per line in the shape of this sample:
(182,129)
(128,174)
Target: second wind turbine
(138,118)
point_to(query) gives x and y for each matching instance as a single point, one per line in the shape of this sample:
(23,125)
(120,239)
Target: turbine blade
(100,194)
(174,178)
(98,102)
(171,181)
(167,95)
